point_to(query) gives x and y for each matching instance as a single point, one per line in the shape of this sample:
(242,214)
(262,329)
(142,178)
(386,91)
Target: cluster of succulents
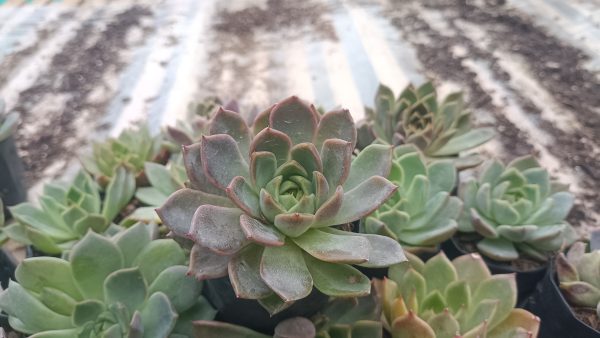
(292,202)
(458,298)
(67,213)
(579,276)
(264,200)
(131,149)
(438,129)
(517,209)
(125,286)
(421,213)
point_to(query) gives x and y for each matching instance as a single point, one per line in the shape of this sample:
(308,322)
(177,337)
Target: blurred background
(82,70)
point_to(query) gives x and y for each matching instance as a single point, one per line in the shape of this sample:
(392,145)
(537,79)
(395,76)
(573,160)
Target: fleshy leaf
(337,280)
(355,206)
(374,160)
(181,289)
(218,229)
(272,141)
(205,264)
(283,269)
(336,156)
(158,316)
(232,124)
(92,260)
(295,118)
(335,248)
(222,160)
(293,225)
(179,209)
(261,233)
(126,286)
(336,124)
(244,274)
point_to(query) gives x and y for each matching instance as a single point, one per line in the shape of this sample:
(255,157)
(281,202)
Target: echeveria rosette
(421,213)
(265,200)
(131,149)
(518,210)
(125,286)
(66,213)
(439,129)
(452,299)
(579,276)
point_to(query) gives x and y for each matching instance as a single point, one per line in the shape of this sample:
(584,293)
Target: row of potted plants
(297,223)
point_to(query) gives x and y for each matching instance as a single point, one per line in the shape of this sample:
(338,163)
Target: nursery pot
(557,319)
(7,268)
(12,189)
(250,313)
(526,280)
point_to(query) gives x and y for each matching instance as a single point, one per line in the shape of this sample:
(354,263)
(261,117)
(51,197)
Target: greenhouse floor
(79,71)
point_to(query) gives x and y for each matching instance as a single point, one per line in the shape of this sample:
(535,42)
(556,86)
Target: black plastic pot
(7,268)
(12,189)
(250,313)
(526,280)
(557,319)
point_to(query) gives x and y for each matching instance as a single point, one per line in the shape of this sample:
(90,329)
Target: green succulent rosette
(579,276)
(124,286)
(517,209)
(421,214)
(131,149)
(66,213)
(265,201)
(452,299)
(441,130)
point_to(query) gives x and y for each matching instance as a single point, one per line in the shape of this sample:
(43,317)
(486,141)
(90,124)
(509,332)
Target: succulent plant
(195,124)
(579,276)
(124,286)
(131,149)
(451,299)
(421,213)
(67,213)
(518,209)
(8,122)
(164,180)
(341,317)
(439,130)
(265,200)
